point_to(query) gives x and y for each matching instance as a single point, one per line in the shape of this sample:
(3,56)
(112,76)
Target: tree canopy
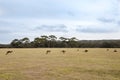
(52,41)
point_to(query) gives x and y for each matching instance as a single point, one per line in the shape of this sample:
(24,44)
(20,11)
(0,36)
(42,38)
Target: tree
(63,39)
(72,42)
(25,42)
(106,44)
(52,37)
(36,42)
(64,42)
(52,40)
(44,41)
(16,43)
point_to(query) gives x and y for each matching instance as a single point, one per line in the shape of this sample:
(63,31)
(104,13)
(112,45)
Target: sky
(83,19)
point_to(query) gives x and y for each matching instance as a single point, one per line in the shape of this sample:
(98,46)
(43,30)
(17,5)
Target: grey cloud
(106,20)
(4,23)
(118,23)
(35,8)
(52,28)
(4,32)
(90,29)
(70,13)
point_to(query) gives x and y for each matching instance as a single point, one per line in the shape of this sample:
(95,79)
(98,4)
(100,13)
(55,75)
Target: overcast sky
(84,19)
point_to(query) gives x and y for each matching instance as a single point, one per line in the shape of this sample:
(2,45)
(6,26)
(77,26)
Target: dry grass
(34,64)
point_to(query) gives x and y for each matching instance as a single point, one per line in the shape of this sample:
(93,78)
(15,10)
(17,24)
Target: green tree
(72,42)
(25,42)
(36,42)
(44,41)
(52,40)
(16,43)
(64,42)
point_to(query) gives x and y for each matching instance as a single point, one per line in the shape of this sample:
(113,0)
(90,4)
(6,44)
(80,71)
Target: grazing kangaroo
(8,52)
(107,49)
(115,50)
(48,51)
(63,51)
(86,50)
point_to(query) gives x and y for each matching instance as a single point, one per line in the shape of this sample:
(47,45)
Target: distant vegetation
(52,41)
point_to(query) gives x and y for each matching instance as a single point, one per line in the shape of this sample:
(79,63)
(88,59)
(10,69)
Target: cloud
(52,28)
(96,29)
(62,9)
(36,8)
(4,32)
(106,20)
(1,12)
(59,17)
(118,23)
(5,23)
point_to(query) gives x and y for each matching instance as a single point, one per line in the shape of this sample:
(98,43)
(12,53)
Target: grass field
(35,64)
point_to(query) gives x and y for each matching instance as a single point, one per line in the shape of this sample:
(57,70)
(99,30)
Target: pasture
(60,64)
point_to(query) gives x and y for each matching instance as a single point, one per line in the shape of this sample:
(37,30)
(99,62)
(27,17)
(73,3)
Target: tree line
(52,41)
